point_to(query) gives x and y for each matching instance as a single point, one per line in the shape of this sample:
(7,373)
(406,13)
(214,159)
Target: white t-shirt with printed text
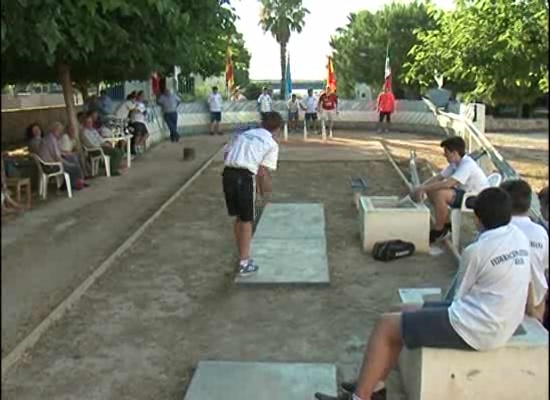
(493,280)
(470,176)
(215,102)
(252,149)
(266,103)
(538,240)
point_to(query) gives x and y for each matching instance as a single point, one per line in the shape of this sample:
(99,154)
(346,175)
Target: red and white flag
(387,70)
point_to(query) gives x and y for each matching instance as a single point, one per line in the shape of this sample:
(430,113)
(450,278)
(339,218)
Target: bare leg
(212,127)
(440,199)
(245,237)
(381,355)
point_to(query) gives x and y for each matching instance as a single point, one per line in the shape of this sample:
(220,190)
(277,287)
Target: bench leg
(68,184)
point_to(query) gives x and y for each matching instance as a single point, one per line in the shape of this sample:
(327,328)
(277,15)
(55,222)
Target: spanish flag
(331,76)
(229,78)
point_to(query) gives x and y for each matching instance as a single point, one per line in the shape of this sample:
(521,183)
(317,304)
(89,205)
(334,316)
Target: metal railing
(459,125)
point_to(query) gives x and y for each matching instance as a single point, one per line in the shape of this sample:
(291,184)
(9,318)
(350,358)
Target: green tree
(359,48)
(281,18)
(495,51)
(95,40)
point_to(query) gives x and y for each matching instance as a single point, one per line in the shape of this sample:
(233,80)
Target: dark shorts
(457,200)
(238,187)
(138,129)
(383,115)
(430,327)
(215,117)
(293,116)
(311,116)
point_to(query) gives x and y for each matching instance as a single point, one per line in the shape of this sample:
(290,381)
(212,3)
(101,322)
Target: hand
(418,193)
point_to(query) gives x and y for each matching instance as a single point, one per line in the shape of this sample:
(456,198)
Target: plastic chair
(456,213)
(96,159)
(45,177)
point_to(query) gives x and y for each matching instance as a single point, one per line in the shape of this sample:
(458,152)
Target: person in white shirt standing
(309,105)
(521,193)
(293,112)
(138,123)
(447,189)
(488,306)
(265,103)
(250,153)
(215,103)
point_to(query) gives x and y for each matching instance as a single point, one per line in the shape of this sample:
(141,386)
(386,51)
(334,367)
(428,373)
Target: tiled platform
(260,381)
(289,245)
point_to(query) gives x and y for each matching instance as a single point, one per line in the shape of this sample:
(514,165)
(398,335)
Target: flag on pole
(387,70)
(331,76)
(288,78)
(229,78)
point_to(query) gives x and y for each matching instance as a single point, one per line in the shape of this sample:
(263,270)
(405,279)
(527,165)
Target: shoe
(250,268)
(348,387)
(438,235)
(322,396)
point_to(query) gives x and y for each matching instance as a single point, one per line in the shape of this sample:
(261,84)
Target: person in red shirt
(385,107)
(328,106)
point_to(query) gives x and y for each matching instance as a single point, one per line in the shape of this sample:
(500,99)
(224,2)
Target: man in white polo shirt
(447,189)
(265,103)
(215,103)
(309,105)
(521,193)
(250,153)
(488,306)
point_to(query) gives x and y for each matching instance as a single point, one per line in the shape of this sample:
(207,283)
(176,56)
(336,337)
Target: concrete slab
(419,295)
(291,221)
(288,261)
(260,381)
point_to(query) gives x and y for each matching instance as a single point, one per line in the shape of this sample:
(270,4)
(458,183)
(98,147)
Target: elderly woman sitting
(33,137)
(49,151)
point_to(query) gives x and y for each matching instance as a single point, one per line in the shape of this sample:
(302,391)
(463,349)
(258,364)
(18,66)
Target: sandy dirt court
(170,301)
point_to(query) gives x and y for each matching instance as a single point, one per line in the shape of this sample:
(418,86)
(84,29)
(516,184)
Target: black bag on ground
(392,249)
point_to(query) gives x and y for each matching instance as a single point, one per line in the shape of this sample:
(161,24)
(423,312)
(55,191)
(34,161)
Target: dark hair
(139,93)
(543,197)
(131,96)
(493,207)
(102,92)
(90,113)
(520,192)
(264,88)
(28,131)
(271,121)
(80,115)
(455,143)
(214,88)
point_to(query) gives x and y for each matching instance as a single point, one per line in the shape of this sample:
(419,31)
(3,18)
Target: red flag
(229,78)
(331,76)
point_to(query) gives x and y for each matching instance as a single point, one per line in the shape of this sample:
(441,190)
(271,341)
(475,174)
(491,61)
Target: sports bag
(392,249)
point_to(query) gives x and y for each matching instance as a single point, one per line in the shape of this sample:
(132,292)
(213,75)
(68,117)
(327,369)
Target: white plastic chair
(45,177)
(96,159)
(456,213)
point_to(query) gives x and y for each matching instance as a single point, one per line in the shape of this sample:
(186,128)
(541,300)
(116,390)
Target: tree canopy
(490,50)
(359,48)
(281,18)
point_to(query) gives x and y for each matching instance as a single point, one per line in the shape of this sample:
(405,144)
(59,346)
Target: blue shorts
(430,327)
(215,117)
(457,199)
(293,116)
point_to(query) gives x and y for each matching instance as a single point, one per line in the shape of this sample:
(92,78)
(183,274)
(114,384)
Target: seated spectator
(123,110)
(447,189)
(138,123)
(520,192)
(33,137)
(488,306)
(70,151)
(50,152)
(91,139)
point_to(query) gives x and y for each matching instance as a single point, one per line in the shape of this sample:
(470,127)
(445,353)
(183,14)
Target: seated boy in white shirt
(447,189)
(521,193)
(488,306)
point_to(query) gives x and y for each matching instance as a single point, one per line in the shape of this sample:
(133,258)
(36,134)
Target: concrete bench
(387,218)
(517,371)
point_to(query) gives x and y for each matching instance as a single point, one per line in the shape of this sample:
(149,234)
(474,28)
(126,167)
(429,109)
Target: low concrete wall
(14,122)
(10,102)
(515,125)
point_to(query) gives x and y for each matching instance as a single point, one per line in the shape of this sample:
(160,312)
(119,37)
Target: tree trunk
(67,85)
(283,71)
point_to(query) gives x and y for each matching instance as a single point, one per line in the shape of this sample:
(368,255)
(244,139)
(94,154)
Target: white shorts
(328,115)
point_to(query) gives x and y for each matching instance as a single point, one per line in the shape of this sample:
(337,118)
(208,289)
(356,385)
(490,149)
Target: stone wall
(515,125)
